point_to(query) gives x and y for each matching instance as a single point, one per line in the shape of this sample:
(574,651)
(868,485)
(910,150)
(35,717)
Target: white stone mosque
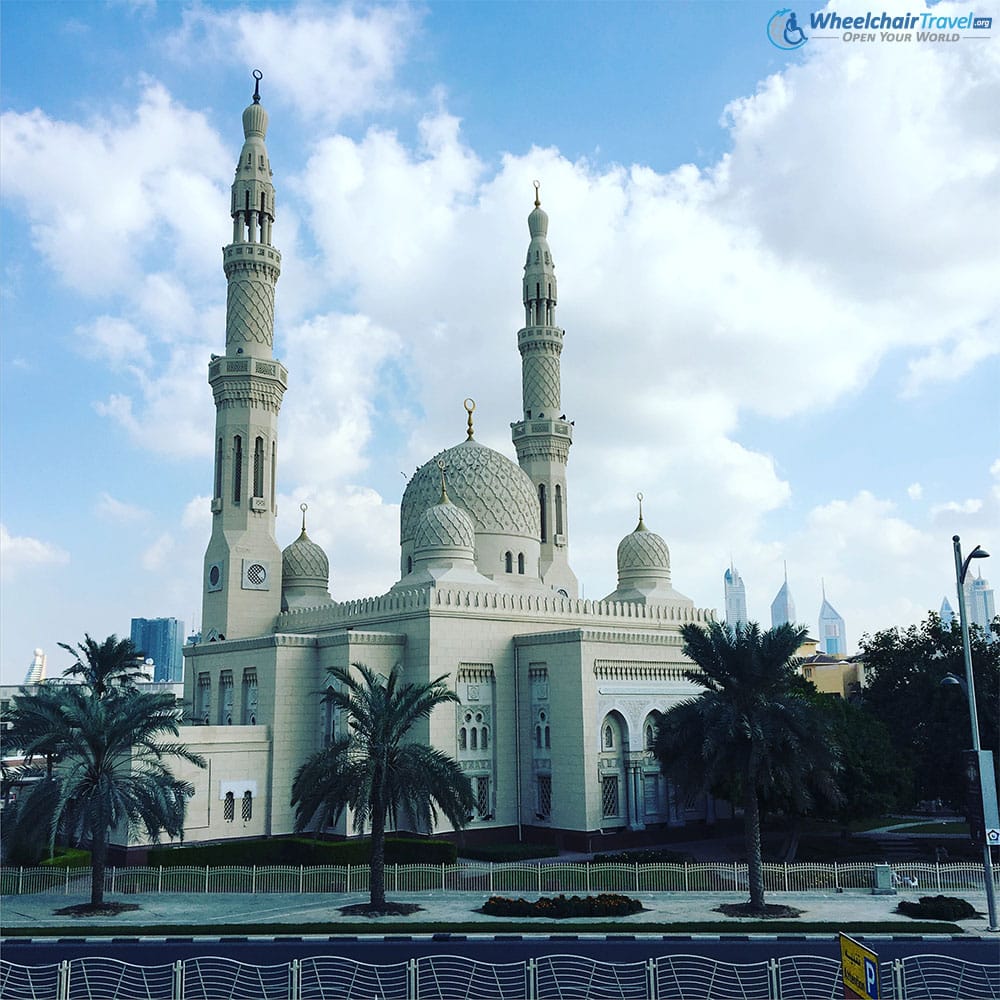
(558,695)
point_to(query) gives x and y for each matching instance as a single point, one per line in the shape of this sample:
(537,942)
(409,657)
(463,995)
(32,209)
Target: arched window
(237,468)
(542,512)
(538,737)
(229,807)
(548,739)
(485,742)
(409,564)
(508,562)
(462,739)
(218,470)
(274,457)
(258,467)
(559,510)
(650,735)
(520,563)
(609,738)
(473,738)
(247,806)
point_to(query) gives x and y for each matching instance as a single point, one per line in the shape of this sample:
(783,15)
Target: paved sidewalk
(273,910)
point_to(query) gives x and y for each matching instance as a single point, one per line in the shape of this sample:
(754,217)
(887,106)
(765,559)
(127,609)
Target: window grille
(483,796)
(609,796)
(463,739)
(226,698)
(258,467)
(544,796)
(609,738)
(543,513)
(559,510)
(247,807)
(249,698)
(229,807)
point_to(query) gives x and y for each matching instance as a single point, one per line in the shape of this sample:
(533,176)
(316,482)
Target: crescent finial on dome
(303,507)
(470,406)
(641,526)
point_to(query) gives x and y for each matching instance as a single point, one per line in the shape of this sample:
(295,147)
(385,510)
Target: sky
(777,277)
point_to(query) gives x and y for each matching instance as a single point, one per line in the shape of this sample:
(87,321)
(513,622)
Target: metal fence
(499,878)
(453,977)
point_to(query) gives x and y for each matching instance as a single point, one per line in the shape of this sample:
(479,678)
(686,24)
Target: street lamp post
(961,568)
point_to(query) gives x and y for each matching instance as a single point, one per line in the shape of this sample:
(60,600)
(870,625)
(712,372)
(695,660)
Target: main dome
(495,492)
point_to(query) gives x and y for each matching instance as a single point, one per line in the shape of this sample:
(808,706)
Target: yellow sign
(860,969)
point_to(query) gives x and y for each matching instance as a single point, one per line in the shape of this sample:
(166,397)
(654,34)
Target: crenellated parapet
(493,603)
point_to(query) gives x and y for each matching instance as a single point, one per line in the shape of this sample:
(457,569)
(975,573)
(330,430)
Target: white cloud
(345,60)
(112,339)
(971,506)
(118,511)
(156,555)
(915,491)
(21,552)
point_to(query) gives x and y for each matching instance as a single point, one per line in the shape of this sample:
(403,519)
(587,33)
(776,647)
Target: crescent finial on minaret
(257,76)
(470,405)
(538,203)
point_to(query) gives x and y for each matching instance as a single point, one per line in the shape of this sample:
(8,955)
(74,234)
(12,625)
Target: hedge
(607,904)
(937,908)
(509,852)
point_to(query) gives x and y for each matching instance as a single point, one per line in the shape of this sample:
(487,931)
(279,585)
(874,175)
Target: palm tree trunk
(755,862)
(377,883)
(99,862)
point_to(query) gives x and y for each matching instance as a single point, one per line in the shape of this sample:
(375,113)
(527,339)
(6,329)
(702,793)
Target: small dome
(444,526)
(304,562)
(643,553)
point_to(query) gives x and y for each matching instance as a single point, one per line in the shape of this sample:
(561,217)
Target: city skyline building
(783,607)
(736,597)
(162,641)
(36,672)
(980,602)
(832,629)
(947,613)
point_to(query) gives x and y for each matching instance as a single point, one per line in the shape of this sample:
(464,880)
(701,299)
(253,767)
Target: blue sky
(777,278)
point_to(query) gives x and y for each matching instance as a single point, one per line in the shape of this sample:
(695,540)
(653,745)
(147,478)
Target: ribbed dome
(444,526)
(538,222)
(304,562)
(496,494)
(643,552)
(254,121)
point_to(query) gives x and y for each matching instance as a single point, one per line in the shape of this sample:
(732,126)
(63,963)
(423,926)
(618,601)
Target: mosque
(558,695)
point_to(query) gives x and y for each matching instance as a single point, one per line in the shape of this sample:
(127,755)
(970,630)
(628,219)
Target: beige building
(558,695)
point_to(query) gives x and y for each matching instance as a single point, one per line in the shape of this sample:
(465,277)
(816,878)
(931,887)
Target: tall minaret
(543,435)
(242,592)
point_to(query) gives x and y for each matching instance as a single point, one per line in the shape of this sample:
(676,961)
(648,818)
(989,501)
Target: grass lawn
(941,826)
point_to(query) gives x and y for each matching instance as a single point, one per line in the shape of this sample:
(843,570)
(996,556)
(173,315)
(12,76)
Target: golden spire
(470,405)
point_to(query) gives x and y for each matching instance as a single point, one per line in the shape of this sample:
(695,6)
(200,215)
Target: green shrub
(67,857)
(509,852)
(606,904)
(937,908)
(303,851)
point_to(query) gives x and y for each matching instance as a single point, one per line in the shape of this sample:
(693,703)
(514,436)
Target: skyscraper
(36,672)
(736,598)
(979,602)
(161,640)
(946,614)
(832,631)
(783,607)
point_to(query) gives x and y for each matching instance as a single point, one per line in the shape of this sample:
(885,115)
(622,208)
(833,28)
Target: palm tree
(375,771)
(752,733)
(110,766)
(103,666)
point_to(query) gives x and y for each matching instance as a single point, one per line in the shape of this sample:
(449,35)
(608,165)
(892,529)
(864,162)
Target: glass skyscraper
(736,598)
(832,631)
(161,640)
(783,607)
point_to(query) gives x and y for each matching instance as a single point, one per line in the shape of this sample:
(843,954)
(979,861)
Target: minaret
(543,435)
(242,592)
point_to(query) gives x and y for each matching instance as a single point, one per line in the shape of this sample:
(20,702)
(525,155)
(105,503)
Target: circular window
(479,716)
(256,574)
(541,715)
(468,717)
(214,575)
